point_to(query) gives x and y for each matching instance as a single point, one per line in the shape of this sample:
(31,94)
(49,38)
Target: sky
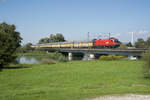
(36,19)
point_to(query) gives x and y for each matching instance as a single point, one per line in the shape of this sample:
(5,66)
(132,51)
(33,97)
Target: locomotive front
(106,43)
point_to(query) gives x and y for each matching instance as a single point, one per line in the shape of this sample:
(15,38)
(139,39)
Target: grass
(75,80)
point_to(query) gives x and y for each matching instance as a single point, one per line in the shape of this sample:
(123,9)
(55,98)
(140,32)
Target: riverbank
(74,80)
(40,57)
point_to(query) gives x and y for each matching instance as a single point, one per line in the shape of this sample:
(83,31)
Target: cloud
(140,32)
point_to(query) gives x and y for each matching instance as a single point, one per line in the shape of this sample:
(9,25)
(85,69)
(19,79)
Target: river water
(36,60)
(27,60)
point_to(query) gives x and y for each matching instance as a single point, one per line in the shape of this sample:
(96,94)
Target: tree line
(58,37)
(52,38)
(140,43)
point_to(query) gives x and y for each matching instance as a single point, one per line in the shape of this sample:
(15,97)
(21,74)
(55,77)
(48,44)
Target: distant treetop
(53,38)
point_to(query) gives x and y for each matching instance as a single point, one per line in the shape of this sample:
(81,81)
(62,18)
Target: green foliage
(62,59)
(44,40)
(111,57)
(148,42)
(25,48)
(9,41)
(48,61)
(129,44)
(146,66)
(123,45)
(58,38)
(40,55)
(53,38)
(140,43)
(58,57)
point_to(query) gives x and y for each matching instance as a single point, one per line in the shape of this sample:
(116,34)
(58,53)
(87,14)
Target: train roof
(63,42)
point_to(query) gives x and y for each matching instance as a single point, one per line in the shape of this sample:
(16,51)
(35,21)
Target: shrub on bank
(58,57)
(48,61)
(146,65)
(111,57)
(62,59)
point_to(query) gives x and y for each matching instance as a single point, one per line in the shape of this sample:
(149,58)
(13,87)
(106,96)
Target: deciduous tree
(9,41)
(140,43)
(53,38)
(148,42)
(129,44)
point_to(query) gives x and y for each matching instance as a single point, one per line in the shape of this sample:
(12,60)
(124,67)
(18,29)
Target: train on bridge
(101,43)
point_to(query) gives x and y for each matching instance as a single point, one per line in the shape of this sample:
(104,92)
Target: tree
(25,48)
(148,42)
(53,38)
(44,40)
(129,44)
(56,38)
(140,43)
(59,37)
(146,65)
(123,45)
(9,41)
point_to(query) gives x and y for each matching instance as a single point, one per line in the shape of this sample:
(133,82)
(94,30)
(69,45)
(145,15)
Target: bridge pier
(69,56)
(75,56)
(92,56)
(131,57)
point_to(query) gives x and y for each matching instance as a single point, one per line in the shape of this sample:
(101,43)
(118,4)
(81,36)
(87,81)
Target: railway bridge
(74,53)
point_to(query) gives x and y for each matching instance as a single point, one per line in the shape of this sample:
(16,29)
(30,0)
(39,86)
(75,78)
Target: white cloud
(140,32)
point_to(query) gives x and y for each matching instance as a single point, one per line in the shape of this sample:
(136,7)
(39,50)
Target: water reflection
(37,59)
(27,60)
(86,58)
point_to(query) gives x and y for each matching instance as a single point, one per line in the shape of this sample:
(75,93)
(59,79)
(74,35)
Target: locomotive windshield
(116,41)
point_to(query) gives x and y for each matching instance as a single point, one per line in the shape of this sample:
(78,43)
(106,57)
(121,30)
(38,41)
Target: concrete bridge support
(92,56)
(132,57)
(69,56)
(75,56)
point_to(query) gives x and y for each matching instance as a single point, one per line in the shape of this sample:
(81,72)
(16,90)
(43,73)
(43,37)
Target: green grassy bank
(75,80)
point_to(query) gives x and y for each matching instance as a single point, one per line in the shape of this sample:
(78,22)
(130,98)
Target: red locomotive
(106,43)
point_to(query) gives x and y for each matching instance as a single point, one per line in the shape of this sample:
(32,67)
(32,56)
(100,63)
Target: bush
(58,57)
(146,65)
(48,61)
(111,57)
(62,59)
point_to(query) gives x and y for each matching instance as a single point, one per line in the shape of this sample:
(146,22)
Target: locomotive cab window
(116,41)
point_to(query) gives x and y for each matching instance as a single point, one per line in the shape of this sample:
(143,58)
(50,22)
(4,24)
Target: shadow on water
(21,63)
(17,67)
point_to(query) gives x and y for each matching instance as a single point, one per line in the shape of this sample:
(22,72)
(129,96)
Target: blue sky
(36,19)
